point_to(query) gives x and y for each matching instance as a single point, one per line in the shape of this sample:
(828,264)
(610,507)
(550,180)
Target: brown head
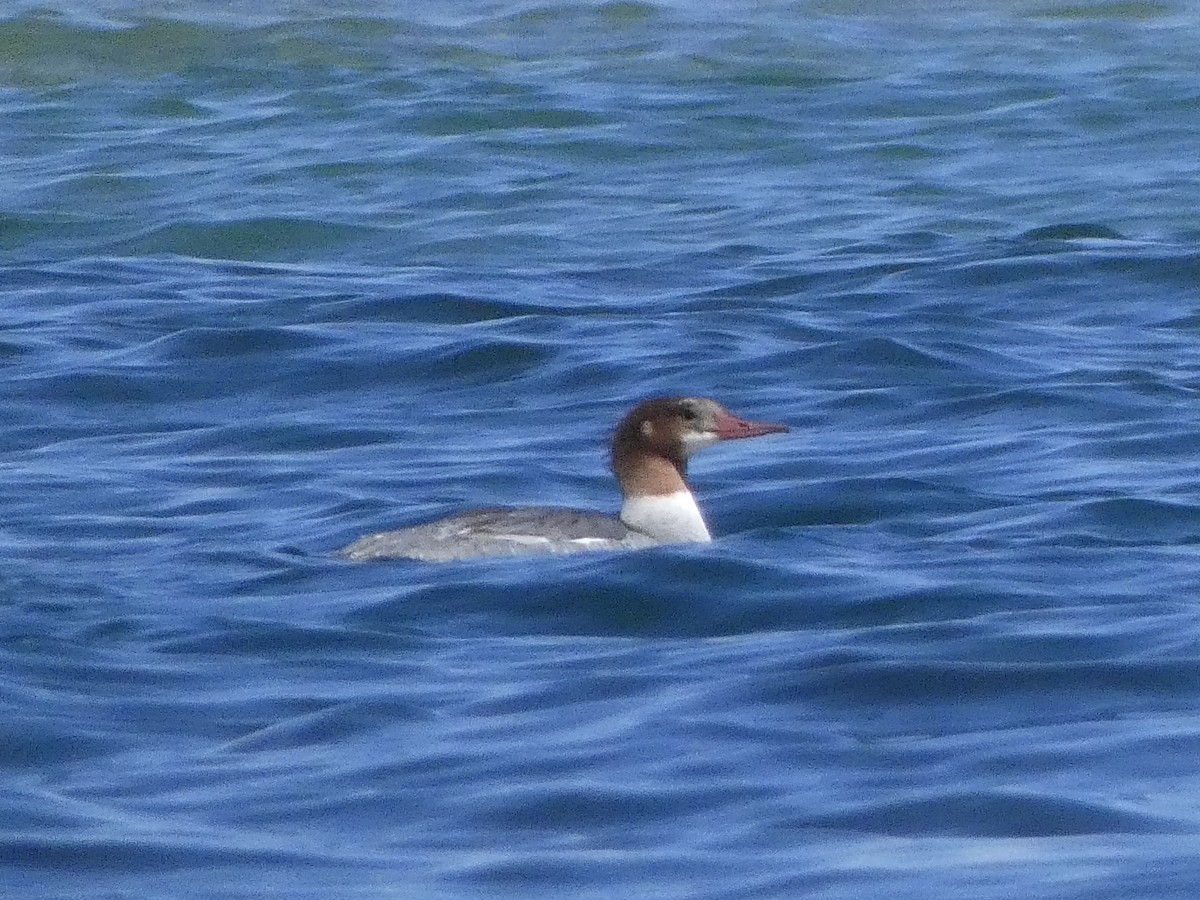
(652,444)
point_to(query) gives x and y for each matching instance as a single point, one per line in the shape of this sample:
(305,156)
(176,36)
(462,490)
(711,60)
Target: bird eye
(690,414)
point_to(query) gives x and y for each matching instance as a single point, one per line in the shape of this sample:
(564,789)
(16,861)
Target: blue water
(272,280)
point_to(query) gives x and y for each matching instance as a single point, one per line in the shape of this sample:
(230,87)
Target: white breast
(668,518)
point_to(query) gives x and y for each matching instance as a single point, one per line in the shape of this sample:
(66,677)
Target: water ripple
(273,279)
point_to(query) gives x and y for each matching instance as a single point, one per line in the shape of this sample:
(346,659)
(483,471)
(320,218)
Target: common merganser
(650,450)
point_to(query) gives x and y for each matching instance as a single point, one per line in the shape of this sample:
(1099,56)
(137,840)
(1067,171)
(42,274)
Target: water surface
(273,280)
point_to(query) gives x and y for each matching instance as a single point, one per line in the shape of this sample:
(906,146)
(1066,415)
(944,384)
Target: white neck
(668,518)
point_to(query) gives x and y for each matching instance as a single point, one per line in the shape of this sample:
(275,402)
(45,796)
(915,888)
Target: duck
(650,451)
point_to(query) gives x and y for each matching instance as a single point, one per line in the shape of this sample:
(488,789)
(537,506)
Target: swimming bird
(650,451)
